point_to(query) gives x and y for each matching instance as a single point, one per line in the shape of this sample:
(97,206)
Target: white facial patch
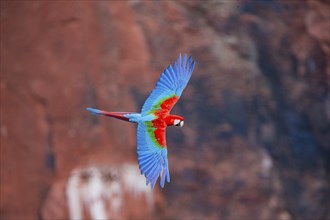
(176,122)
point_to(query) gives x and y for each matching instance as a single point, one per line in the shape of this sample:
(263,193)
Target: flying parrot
(155,117)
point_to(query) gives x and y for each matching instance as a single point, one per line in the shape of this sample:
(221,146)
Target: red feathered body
(163,119)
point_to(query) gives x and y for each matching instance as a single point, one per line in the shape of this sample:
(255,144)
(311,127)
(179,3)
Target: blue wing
(171,83)
(152,158)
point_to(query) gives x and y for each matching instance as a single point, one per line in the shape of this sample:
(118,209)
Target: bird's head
(176,120)
(179,123)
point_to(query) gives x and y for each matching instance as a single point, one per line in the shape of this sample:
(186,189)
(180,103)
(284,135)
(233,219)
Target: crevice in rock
(50,156)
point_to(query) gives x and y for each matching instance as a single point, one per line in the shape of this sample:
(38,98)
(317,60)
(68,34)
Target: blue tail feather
(94,111)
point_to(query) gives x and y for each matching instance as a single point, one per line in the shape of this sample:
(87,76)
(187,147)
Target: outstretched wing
(152,154)
(170,86)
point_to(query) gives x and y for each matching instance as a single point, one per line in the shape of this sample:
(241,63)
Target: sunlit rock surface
(100,192)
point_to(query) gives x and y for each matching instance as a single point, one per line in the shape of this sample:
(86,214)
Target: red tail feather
(119,115)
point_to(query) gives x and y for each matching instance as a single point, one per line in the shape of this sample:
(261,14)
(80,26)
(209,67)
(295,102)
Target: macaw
(155,117)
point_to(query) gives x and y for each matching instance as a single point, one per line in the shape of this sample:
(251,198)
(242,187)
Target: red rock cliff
(255,141)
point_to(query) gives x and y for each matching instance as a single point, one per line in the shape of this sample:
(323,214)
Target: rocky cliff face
(256,138)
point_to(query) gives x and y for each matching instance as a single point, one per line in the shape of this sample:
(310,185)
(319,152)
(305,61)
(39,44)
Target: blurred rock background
(255,144)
